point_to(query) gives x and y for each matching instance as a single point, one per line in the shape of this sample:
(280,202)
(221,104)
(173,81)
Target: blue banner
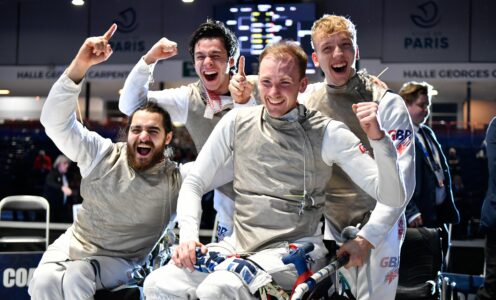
(17,269)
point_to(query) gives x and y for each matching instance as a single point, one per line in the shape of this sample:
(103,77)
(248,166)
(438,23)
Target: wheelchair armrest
(419,291)
(126,293)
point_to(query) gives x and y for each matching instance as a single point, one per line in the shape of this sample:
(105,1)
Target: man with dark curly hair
(199,105)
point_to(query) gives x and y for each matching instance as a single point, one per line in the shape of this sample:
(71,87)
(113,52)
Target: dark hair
(215,29)
(153,107)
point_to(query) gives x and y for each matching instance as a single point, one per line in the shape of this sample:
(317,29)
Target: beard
(143,164)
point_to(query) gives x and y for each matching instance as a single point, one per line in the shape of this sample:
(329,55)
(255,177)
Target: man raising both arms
(200,105)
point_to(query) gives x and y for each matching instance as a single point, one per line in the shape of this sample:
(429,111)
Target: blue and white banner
(17,270)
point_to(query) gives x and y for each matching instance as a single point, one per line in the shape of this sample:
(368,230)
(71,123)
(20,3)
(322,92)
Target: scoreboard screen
(257,25)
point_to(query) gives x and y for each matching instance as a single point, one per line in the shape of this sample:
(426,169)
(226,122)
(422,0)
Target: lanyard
(429,153)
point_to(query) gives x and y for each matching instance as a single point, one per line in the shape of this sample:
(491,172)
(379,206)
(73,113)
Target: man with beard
(200,105)
(280,177)
(370,273)
(129,188)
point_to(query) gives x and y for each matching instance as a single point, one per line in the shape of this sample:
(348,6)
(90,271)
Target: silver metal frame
(25,202)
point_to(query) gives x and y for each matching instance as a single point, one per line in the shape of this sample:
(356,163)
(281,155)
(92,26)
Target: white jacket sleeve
(214,158)
(58,116)
(223,175)
(395,120)
(383,183)
(135,93)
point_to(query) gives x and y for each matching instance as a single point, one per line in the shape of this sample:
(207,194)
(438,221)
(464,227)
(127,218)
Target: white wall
(29,108)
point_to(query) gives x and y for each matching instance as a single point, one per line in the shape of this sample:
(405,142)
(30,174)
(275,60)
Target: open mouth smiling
(275,101)
(143,150)
(339,68)
(210,76)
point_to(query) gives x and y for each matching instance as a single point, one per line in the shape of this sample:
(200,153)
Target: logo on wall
(429,15)
(426,38)
(126,21)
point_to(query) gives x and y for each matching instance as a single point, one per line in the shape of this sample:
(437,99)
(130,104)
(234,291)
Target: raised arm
(93,51)
(135,91)
(58,113)
(395,120)
(383,183)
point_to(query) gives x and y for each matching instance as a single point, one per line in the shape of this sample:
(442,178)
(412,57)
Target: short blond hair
(412,89)
(330,24)
(281,48)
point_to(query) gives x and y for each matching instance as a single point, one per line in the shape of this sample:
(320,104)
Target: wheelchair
(132,290)
(421,261)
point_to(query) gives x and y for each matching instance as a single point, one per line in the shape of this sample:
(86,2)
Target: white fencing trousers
(171,282)
(225,212)
(378,278)
(58,277)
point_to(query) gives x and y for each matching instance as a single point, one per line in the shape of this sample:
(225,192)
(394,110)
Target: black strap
(96,268)
(349,294)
